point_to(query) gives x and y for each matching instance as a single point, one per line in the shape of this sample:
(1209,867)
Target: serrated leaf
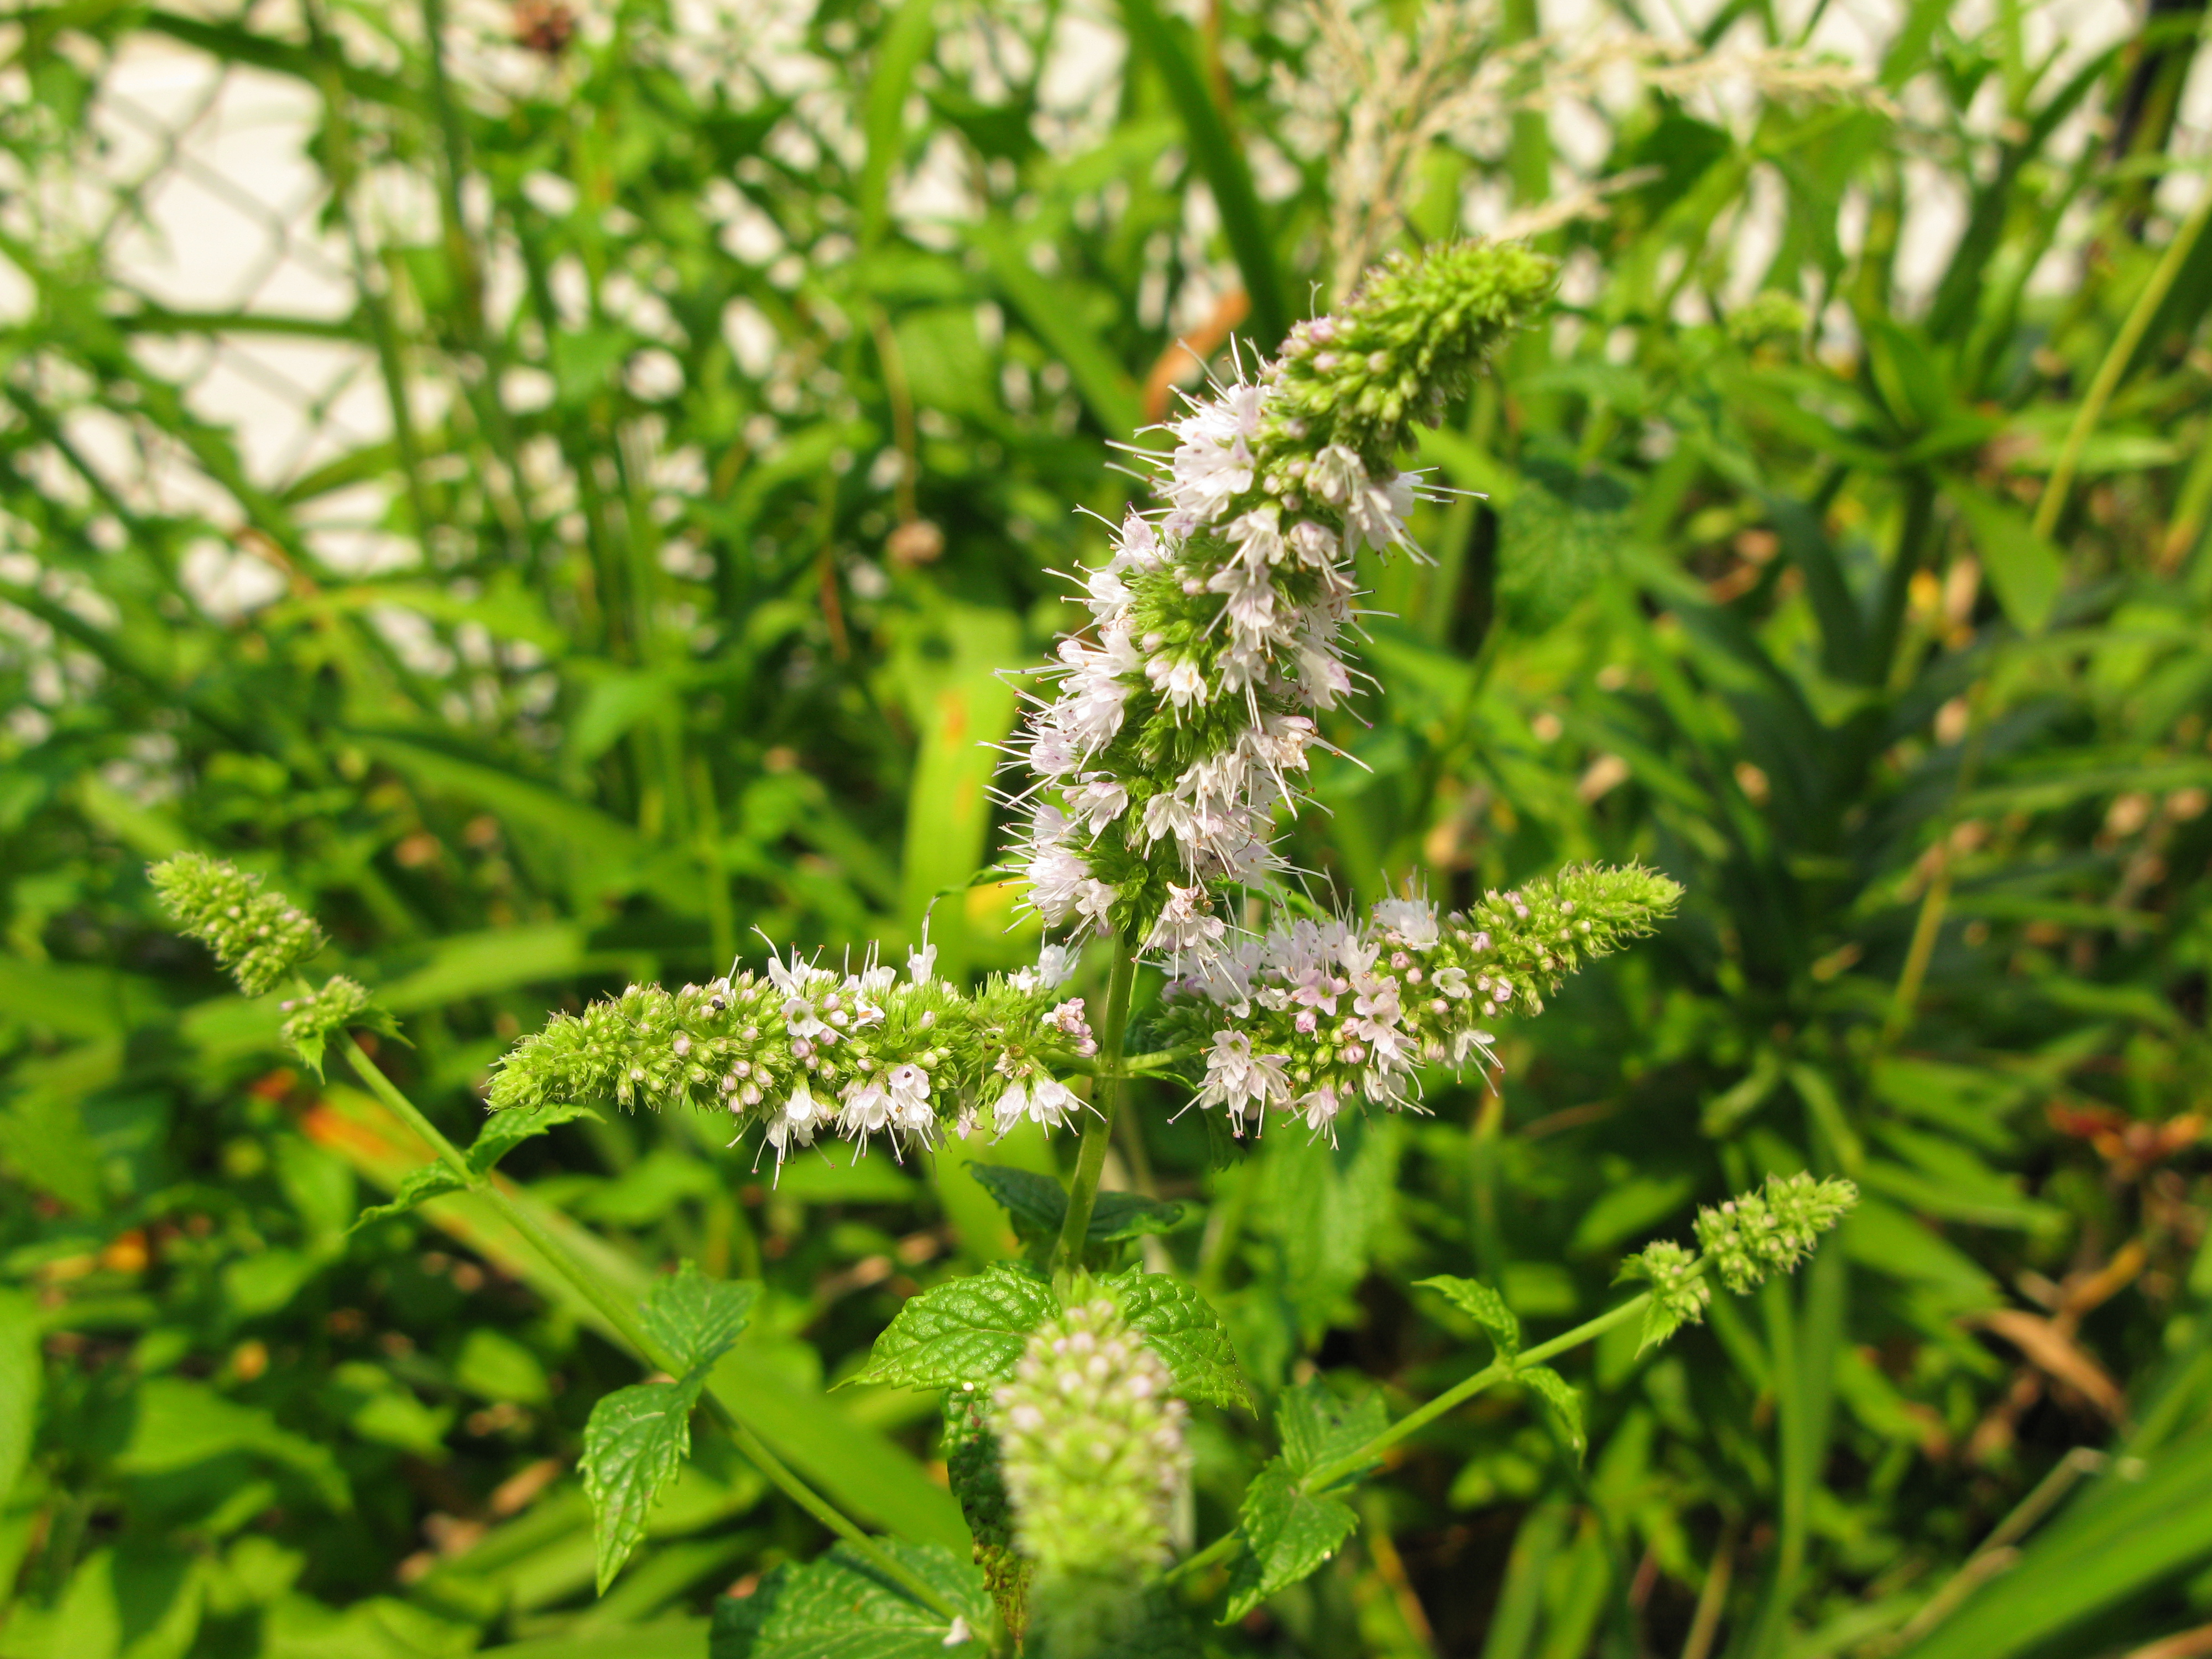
(1181,1328)
(1037,1206)
(1121,1216)
(1659,1322)
(1287,1534)
(696,1319)
(1567,1403)
(429,1181)
(1034,1203)
(965,1330)
(1483,1306)
(507,1129)
(840,1607)
(634,1442)
(1316,1427)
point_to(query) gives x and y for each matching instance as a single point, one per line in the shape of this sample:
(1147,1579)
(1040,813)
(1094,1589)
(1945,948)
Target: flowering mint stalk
(1186,719)
(805,1051)
(1092,1453)
(1311,1017)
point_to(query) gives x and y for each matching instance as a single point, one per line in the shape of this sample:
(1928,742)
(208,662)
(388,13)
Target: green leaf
(1316,1427)
(1037,1205)
(1483,1306)
(1287,1536)
(1565,1403)
(1659,1322)
(840,1607)
(2025,571)
(965,1330)
(1184,1330)
(634,1442)
(695,1318)
(22,1371)
(503,1131)
(1220,161)
(431,1180)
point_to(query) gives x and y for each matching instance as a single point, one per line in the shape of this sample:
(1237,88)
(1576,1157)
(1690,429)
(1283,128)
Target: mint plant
(1156,777)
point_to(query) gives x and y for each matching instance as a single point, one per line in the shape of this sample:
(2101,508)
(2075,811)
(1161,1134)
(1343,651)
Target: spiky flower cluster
(260,937)
(1772,1231)
(311,1018)
(805,1051)
(1311,1017)
(1186,719)
(1678,1287)
(1091,1449)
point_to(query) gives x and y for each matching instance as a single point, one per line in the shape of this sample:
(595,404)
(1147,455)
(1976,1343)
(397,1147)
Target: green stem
(1497,1371)
(622,1318)
(1098,1133)
(2116,364)
(1220,1549)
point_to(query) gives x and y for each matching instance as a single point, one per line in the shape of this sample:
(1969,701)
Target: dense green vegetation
(731,466)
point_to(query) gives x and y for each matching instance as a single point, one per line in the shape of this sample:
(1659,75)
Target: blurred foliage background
(555,501)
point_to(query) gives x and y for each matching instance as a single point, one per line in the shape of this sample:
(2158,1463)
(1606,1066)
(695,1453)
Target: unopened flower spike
(260,937)
(1092,1453)
(1743,1241)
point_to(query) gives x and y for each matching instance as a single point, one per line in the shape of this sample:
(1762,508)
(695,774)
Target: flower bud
(260,937)
(1091,1449)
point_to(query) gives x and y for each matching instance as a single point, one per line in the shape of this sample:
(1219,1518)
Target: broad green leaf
(177,1424)
(695,1318)
(841,1606)
(1181,1328)
(136,1601)
(1037,1205)
(2024,570)
(1483,1306)
(1565,1403)
(431,1180)
(497,1368)
(22,1371)
(965,1330)
(1316,1427)
(1287,1536)
(503,1131)
(634,1442)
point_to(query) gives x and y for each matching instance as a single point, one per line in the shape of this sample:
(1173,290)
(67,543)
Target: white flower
(908,1088)
(1184,923)
(1335,474)
(1452,981)
(1012,1107)
(1319,1107)
(1258,536)
(1054,964)
(1040,1099)
(1051,1102)
(1411,922)
(797,1119)
(1315,544)
(1179,679)
(1237,1077)
(1168,814)
(867,1110)
(1098,803)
